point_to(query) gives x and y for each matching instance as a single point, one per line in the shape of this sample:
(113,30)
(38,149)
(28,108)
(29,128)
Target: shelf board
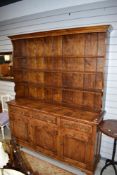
(89,56)
(52,71)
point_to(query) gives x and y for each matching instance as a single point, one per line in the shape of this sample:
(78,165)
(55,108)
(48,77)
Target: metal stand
(111,162)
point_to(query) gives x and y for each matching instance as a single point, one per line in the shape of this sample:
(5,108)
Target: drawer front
(44,117)
(16,111)
(19,111)
(76,126)
(18,118)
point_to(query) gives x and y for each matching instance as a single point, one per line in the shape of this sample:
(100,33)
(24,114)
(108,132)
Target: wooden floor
(69,169)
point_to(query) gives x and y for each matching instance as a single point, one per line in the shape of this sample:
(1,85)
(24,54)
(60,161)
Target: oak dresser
(59,82)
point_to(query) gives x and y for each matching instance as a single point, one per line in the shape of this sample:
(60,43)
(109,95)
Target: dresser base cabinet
(66,138)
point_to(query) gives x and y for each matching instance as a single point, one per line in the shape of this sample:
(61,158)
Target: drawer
(45,117)
(32,113)
(19,111)
(18,118)
(76,126)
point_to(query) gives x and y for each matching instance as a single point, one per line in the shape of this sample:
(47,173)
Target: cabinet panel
(74,146)
(20,127)
(44,136)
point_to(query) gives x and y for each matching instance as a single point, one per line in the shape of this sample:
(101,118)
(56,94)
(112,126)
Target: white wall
(7,87)
(84,15)
(28,7)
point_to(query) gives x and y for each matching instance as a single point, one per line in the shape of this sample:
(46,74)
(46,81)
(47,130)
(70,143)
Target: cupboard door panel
(44,136)
(20,127)
(75,146)
(74,149)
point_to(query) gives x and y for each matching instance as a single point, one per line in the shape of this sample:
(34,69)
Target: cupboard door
(75,147)
(20,127)
(44,136)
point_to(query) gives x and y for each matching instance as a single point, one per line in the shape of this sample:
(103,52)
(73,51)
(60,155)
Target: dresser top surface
(59,110)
